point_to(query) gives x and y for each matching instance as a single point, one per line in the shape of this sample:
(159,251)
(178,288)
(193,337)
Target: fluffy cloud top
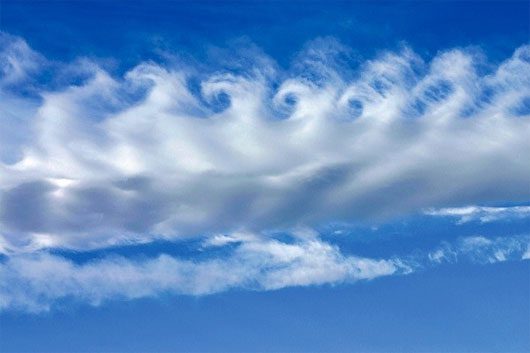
(169,150)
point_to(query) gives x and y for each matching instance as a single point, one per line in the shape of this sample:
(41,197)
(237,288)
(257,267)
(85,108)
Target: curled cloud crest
(119,160)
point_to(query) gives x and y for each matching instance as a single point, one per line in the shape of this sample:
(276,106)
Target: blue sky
(264,176)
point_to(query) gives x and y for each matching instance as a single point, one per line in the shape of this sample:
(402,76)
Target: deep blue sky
(133,30)
(452,308)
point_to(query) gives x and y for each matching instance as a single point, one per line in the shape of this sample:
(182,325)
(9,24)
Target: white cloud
(93,161)
(526,255)
(17,60)
(479,249)
(480,213)
(120,160)
(33,282)
(36,282)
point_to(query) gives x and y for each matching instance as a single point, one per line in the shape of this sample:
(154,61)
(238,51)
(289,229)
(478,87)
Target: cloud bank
(37,282)
(166,151)
(92,159)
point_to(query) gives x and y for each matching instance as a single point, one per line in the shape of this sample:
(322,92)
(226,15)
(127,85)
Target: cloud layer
(232,152)
(37,282)
(167,150)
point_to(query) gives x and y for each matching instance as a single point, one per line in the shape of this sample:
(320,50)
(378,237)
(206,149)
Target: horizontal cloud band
(35,282)
(168,150)
(483,214)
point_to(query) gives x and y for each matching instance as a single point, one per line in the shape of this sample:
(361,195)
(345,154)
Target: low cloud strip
(39,281)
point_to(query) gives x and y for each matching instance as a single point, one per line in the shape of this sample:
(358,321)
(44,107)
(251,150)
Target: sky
(264,176)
